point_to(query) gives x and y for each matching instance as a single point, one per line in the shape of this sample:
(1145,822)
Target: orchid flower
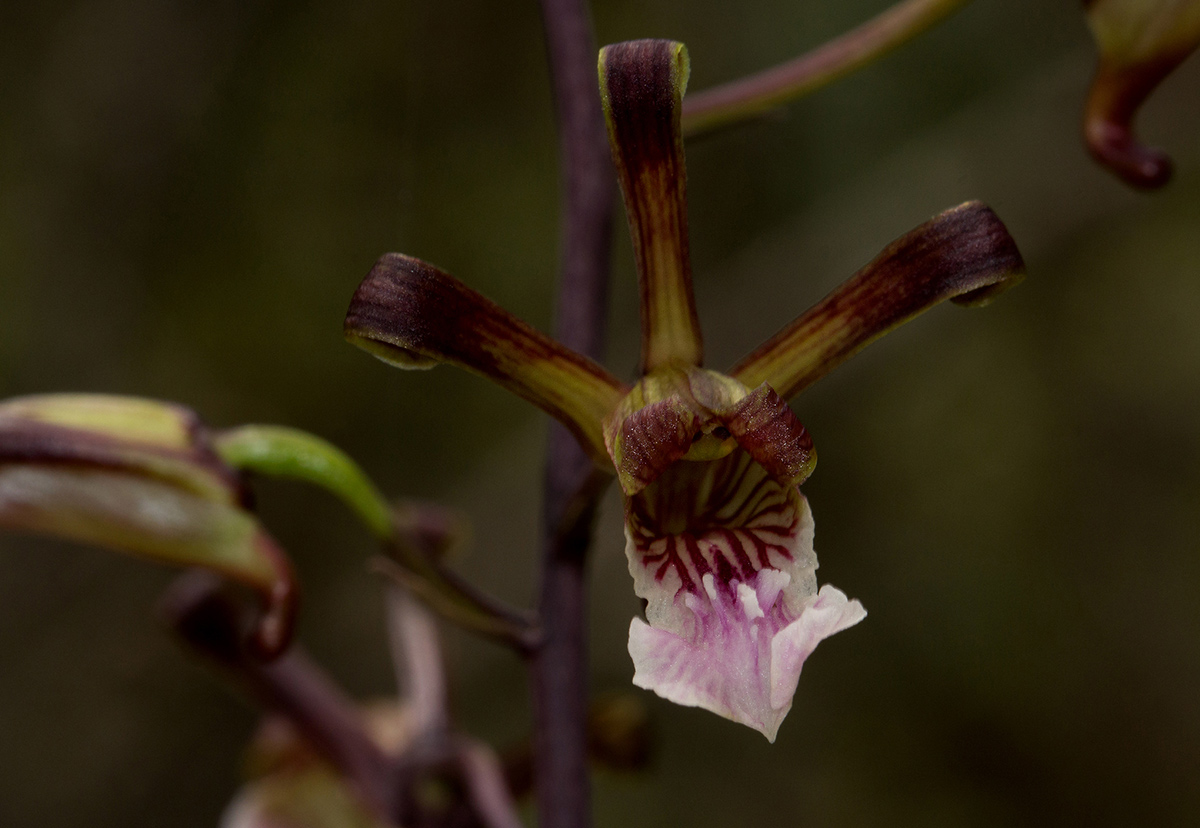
(718,535)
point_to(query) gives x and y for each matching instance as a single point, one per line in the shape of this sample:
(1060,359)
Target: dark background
(190,192)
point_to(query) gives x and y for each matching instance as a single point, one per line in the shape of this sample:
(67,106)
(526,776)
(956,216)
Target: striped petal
(641,85)
(672,413)
(965,255)
(722,553)
(695,414)
(412,315)
(764,425)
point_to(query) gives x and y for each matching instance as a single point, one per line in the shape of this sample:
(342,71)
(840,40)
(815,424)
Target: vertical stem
(559,667)
(587,178)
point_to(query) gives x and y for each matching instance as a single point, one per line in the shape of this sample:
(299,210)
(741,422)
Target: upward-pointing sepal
(641,85)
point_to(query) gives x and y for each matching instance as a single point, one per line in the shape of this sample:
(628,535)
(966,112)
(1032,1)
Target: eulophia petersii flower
(718,535)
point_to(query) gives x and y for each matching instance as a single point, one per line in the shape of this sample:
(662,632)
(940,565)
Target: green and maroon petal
(410,314)
(766,427)
(652,438)
(697,415)
(672,414)
(965,255)
(641,85)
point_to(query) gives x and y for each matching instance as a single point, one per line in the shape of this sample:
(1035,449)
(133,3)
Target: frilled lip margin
(722,551)
(744,665)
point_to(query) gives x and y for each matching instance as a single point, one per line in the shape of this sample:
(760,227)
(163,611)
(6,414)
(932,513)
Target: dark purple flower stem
(572,484)
(213,622)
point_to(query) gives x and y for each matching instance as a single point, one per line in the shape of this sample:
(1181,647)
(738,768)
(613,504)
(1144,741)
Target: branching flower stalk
(209,620)
(148,478)
(757,94)
(415,538)
(421,679)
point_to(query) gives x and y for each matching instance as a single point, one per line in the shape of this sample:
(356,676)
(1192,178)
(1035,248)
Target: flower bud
(138,476)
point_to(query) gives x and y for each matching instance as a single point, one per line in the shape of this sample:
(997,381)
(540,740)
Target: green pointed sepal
(413,315)
(641,86)
(965,255)
(140,477)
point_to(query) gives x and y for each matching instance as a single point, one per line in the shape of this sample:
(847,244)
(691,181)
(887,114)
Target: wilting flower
(718,535)
(1141,42)
(142,477)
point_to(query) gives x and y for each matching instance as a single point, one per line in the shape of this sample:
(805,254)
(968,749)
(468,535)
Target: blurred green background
(190,192)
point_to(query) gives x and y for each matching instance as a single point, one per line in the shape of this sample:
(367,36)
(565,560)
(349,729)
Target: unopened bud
(138,476)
